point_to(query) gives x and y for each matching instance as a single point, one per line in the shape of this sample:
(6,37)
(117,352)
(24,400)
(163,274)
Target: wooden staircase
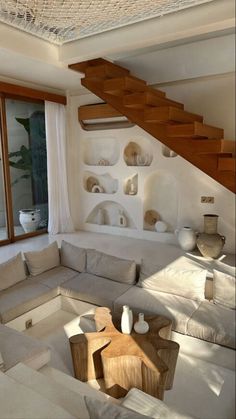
(166,120)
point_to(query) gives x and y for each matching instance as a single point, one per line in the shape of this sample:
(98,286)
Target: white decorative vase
(122,221)
(126,320)
(100,216)
(141,326)
(186,238)
(29,219)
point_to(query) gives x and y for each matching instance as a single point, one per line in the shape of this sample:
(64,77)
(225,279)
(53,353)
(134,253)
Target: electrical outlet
(28,323)
(207,199)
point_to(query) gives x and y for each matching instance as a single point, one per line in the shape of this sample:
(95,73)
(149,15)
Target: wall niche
(111,214)
(104,183)
(131,185)
(161,195)
(100,151)
(138,152)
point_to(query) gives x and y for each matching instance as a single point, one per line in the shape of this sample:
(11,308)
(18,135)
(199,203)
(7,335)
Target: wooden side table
(146,362)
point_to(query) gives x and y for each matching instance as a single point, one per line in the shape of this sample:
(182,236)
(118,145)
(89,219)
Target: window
(23,169)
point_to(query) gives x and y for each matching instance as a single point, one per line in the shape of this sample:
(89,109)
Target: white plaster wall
(213,97)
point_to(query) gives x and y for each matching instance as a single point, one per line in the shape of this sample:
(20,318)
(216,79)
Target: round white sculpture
(161,226)
(29,219)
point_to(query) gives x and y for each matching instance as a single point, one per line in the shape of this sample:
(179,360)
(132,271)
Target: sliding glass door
(3,214)
(26,165)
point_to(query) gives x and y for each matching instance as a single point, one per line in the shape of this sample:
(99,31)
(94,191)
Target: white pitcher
(186,238)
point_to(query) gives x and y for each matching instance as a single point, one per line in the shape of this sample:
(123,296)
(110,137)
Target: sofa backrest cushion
(43,260)
(73,257)
(12,271)
(186,283)
(224,289)
(111,267)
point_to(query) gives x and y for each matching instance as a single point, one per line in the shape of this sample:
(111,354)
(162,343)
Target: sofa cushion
(23,297)
(224,289)
(54,277)
(17,347)
(213,323)
(105,410)
(147,405)
(73,257)
(12,271)
(93,289)
(174,307)
(111,267)
(42,260)
(182,282)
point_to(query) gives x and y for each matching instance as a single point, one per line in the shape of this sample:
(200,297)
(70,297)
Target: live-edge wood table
(146,362)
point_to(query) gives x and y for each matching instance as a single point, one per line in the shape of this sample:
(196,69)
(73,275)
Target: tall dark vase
(210,243)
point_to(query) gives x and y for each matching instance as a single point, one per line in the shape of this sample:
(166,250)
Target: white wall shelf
(108,213)
(100,151)
(131,185)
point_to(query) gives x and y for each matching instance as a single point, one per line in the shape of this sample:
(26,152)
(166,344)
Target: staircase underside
(166,120)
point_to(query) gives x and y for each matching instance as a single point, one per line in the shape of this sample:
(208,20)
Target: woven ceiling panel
(61,21)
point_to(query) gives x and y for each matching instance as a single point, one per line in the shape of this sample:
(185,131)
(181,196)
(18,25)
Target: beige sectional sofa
(100,279)
(199,307)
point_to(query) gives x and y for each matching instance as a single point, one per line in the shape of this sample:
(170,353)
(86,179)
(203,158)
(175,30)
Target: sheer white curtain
(60,220)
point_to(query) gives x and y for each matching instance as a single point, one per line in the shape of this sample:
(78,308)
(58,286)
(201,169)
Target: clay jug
(210,243)
(186,238)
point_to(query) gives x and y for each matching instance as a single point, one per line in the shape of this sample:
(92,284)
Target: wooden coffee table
(146,362)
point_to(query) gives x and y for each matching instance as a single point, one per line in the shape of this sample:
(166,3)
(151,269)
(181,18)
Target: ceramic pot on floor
(186,238)
(29,219)
(210,243)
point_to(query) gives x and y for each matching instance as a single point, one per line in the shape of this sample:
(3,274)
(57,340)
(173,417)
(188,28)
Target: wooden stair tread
(120,84)
(166,114)
(227,164)
(194,130)
(141,100)
(108,70)
(81,67)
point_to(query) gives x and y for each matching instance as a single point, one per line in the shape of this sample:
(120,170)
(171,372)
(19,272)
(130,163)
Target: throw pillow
(185,283)
(224,289)
(43,260)
(12,271)
(143,403)
(73,257)
(106,410)
(111,267)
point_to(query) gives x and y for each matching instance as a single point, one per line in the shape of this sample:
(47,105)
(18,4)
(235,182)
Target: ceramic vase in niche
(29,219)
(186,238)
(101,216)
(141,326)
(122,220)
(126,320)
(210,243)
(160,226)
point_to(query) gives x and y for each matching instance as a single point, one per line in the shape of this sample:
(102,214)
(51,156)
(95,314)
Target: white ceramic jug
(186,238)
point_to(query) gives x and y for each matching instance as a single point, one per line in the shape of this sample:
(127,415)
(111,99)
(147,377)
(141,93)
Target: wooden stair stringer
(179,146)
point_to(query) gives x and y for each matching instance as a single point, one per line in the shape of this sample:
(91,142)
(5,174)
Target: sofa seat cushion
(213,323)
(23,297)
(174,307)
(93,289)
(54,277)
(16,347)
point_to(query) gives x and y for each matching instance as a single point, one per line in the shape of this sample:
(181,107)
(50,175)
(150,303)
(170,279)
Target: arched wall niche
(161,195)
(111,212)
